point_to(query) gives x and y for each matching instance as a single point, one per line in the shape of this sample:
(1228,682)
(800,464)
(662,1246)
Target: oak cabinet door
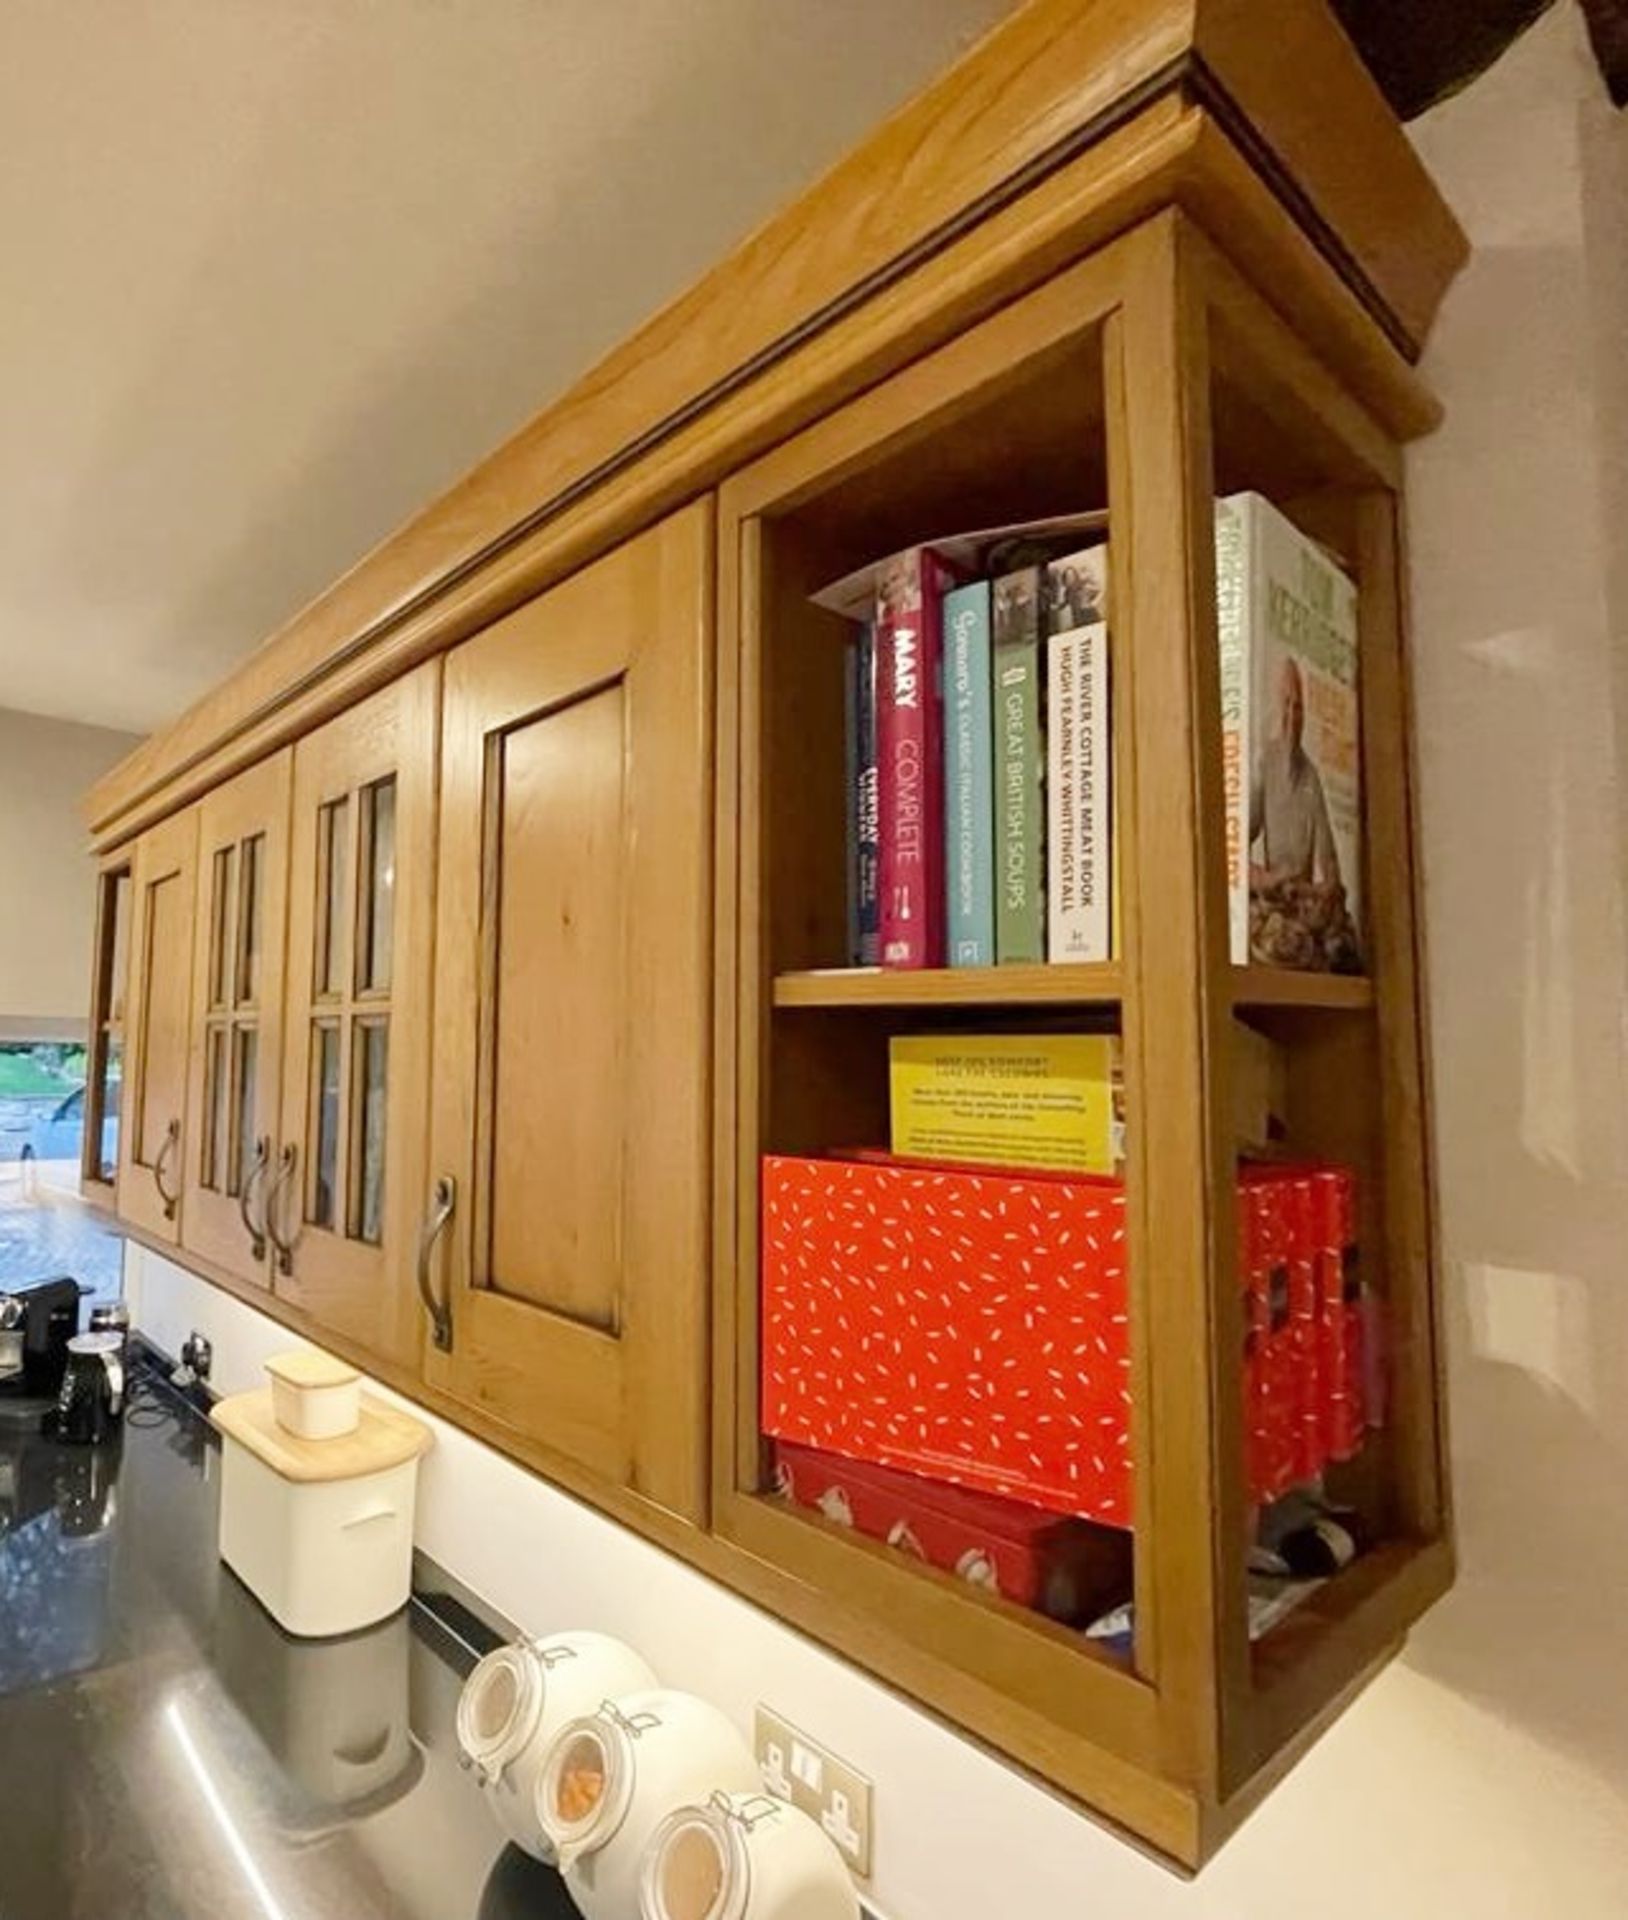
(572,1018)
(350,1180)
(237,1004)
(152,1136)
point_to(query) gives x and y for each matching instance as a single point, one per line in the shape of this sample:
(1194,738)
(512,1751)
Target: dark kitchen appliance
(113,1316)
(36,1324)
(90,1405)
(110,1316)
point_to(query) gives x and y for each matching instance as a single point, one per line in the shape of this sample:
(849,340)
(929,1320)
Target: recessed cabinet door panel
(152,1142)
(349,1185)
(572,1017)
(237,1008)
(562,861)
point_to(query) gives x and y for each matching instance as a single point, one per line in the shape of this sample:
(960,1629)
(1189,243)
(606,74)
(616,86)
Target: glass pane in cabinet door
(372,1055)
(378,886)
(249,890)
(323,1125)
(245,1062)
(333,826)
(120,910)
(108,1106)
(216,1109)
(220,906)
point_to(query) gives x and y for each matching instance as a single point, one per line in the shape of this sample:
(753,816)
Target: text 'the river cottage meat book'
(1290,745)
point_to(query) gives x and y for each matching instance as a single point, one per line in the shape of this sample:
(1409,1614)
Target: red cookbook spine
(910,757)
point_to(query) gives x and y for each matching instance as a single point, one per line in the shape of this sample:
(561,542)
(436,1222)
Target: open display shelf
(1146,381)
(1278,987)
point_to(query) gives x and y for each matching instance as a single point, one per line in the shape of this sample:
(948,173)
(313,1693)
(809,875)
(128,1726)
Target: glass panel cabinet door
(153,1027)
(104,1072)
(237,1016)
(572,1003)
(348,1189)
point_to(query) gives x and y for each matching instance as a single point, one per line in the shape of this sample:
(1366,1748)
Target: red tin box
(1305,1322)
(1342,1317)
(1035,1559)
(1265,1261)
(969,1327)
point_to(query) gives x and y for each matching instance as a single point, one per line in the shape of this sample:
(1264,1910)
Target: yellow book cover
(1045,1100)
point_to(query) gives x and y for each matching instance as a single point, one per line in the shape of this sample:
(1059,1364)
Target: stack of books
(980,788)
(979,753)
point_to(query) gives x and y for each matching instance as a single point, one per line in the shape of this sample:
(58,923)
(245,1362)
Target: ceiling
(276,271)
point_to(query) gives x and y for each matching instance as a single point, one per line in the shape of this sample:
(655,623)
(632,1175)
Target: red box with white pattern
(1045,1561)
(966,1326)
(1270,1391)
(1341,1313)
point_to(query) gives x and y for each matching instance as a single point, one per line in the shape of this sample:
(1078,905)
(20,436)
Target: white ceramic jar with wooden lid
(320,1531)
(314,1395)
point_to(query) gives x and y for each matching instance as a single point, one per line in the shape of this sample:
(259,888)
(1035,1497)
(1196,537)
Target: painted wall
(1486,1772)
(47,882)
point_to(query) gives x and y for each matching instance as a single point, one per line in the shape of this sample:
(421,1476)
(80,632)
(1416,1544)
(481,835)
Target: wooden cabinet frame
(1227,239)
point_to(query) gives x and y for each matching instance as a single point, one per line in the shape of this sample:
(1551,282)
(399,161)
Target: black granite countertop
(166,1751)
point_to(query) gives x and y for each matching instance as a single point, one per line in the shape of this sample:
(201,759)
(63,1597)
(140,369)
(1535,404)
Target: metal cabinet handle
(257,1235)
(172,1139)
(268,1213)
(441,1210)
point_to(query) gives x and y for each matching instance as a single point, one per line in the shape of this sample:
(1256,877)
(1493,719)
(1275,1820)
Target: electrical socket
(822,1784)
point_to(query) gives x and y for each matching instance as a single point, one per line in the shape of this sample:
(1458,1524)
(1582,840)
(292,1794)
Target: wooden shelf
(1282,987)
(1077,985)
(1098,985)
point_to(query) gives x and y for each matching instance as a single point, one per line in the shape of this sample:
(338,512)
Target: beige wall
(47,882)
(1520,549)
(1486,1772)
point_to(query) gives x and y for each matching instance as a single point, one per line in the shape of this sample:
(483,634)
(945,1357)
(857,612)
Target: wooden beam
(1421,54)
(1608,29)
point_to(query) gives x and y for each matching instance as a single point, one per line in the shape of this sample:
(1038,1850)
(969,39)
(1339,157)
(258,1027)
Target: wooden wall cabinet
(348,1191)
(559,777)
(1146,379)
(237,1007)
(152,1135)
(572,1000)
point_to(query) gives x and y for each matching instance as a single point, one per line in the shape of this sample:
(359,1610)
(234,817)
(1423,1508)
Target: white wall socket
(813,1778)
